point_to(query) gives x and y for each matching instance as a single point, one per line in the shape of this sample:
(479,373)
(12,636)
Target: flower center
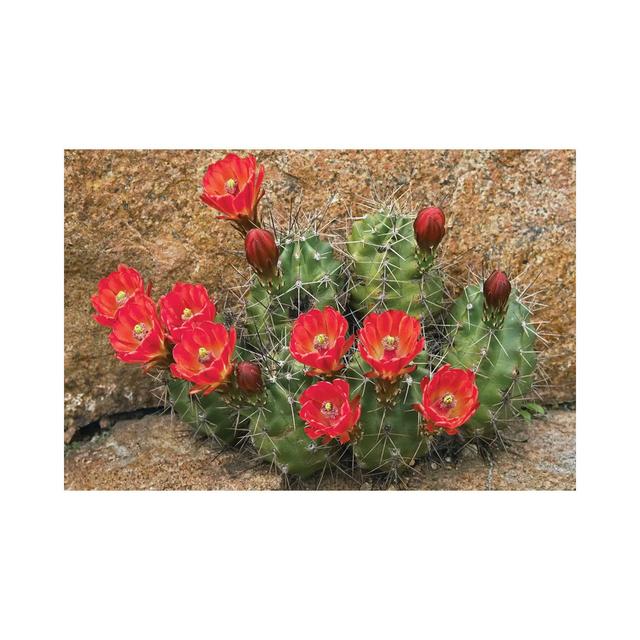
(329,410)
(448,401)
(390,343)
(186,313)
(321,342)
(231,186)
(203,355)
(121,296)
(140,331)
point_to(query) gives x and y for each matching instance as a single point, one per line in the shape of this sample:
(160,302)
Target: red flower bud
(497,289)
(429,228)
(262,253)
(249,377)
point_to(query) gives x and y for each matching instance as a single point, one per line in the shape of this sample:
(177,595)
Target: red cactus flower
(184,305)
(114,291)
(137,334)
(318,339)
(429,228)
(249,377)
(497,290)
(203,356)
(388,342)
(449,399)
(232,186)
(262,253)
(328,411)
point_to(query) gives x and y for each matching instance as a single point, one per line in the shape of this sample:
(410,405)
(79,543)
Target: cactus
(388,270)
(308,276)
(388,399)
(500,350)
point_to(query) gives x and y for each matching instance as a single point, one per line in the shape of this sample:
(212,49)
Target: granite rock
(509,209)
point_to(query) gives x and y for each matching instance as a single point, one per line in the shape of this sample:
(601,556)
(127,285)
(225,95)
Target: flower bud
(262,253)
(497,289)
(249,377)
(429,228)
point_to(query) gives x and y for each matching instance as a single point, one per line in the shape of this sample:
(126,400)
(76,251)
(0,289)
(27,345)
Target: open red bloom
(203,356)
(318,340)
(137,334)
(449,399)
(114,291)
(388,342)
(184,305)
(232,186)
(328,410)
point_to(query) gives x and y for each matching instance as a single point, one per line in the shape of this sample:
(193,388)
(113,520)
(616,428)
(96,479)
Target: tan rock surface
(160,452)
(513,209)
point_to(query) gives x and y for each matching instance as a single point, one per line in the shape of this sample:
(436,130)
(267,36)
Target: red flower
(318,340)
(262,253)
(232,186)
(328,411)
(388,342)
(114,291)
(497,289)
(137,334)
(184,305)
(449,399)
(429,228)
(203,356)
(249,377)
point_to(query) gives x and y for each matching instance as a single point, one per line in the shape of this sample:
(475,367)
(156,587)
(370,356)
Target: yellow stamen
(389,343)
(121,296)
(320,341)
(230,186)
(447,399)
(202,353)
(186,313)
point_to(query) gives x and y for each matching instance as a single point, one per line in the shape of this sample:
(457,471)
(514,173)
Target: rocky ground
(160,452)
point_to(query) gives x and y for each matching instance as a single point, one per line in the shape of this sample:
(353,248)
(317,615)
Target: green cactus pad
(277,432)
(388,273)
(209,416)
(389,438)
(310,277)
(504,359)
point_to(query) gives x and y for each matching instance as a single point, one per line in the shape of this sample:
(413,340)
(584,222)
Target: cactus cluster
(343,355)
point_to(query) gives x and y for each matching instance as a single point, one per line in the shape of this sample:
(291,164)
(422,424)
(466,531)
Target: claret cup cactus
(345,355)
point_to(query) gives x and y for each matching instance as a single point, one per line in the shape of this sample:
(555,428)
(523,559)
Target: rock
(160,452)
(509,209)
